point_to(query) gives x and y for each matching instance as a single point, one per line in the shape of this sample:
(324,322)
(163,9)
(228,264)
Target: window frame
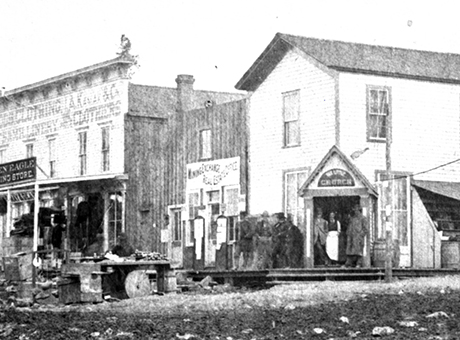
(177,224)
(205,144)
(370,115)
(82,152)
(298,209)
(52,156)
(29,150)
(292,121)
(105,148)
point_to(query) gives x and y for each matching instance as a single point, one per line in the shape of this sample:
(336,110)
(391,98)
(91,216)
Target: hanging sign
(336,178)
(18,171)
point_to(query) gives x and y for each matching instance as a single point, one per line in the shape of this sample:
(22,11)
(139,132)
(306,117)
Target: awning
(448,189)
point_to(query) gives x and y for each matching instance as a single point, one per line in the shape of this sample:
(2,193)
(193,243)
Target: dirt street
(407,309)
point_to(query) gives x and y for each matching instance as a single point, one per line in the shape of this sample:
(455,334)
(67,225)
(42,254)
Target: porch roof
(448,189)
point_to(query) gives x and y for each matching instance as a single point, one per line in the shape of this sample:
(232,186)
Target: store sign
(336,178)
(216,173)
(18,171)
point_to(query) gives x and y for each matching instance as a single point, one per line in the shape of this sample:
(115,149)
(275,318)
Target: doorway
(342,207)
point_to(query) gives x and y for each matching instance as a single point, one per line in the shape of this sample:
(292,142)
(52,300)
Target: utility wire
(421,172)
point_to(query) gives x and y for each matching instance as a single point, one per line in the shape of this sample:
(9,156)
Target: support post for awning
(9,214)
(36,210)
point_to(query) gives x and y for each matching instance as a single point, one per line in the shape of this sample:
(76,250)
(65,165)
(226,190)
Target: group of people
(274,241)
(327,238)
(268,242)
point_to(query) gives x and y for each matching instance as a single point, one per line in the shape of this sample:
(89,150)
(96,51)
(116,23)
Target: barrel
(450,254)
(379,254)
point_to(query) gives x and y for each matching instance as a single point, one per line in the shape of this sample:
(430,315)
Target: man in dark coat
(123,248)
(245,244)
(356,233)
(294,242)
(319,238)
(280,232)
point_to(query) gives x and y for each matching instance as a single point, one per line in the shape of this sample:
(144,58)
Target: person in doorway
(245,244)
(319,238)
(332,242)
(123,248)
(356,233)
(279,238)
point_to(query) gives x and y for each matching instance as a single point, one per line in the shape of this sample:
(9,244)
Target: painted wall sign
(336,178)
(216,173)
(18,171)
(69,111)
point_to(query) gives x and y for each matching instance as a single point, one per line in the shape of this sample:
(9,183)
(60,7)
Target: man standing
(280,231)
(319,238)
(294,244)
(356,232)
(246,242)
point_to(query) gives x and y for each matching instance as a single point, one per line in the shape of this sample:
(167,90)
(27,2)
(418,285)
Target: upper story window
(82,141)
(205,144)
(378,110)
(105,148)
(29,150)
(52,156)
(291,108)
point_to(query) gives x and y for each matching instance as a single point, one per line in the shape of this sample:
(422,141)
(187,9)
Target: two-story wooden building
(95,145)
(334,123)
(208,171)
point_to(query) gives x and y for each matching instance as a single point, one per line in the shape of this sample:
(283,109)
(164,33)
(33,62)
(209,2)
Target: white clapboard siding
(425,121)
(268,157)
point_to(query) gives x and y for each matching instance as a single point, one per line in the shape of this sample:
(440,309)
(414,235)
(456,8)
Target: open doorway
(336,244)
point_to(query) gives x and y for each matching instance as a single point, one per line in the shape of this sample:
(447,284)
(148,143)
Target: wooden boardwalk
(260,278)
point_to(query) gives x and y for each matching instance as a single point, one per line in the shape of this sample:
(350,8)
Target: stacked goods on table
(149,256)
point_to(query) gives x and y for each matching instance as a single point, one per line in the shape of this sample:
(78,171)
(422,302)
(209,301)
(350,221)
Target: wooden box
(69,290)
(18,267)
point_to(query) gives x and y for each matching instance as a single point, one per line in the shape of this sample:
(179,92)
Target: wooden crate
(18,267)
(90,283)
(69,290)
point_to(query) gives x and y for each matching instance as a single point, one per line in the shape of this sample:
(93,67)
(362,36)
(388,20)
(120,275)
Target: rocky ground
(407,309)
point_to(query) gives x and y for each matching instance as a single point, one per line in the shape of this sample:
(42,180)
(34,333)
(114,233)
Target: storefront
(208,220)
(335,186)
(70,213)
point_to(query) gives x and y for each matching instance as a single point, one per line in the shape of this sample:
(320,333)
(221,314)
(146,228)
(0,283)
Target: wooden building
(334,123)
(208,171)
(96,147)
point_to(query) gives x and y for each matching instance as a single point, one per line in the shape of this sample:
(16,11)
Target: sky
(215,41)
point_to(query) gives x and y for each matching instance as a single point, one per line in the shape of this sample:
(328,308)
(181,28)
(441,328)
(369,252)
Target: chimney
(184,92)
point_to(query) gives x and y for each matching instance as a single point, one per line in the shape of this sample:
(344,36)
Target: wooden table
(165,276)
(134,276)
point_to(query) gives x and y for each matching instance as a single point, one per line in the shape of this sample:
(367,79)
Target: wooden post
(35,240)
(36,210)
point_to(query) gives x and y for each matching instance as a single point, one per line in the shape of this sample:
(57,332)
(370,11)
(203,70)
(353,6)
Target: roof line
(394,75)
(86,69)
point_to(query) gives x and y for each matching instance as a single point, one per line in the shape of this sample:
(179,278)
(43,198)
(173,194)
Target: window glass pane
(291,106)
(205,143)
(231,201)
(383,103)
(292,133)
